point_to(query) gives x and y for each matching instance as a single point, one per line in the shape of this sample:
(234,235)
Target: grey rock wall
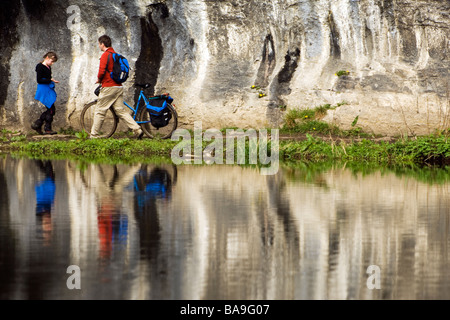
(208,54)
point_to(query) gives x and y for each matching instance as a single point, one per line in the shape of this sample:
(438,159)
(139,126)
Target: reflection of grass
(311,172)
(83,160)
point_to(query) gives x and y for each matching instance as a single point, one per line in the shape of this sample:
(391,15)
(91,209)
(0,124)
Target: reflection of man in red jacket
(105,228)
(112,227)
(111,93)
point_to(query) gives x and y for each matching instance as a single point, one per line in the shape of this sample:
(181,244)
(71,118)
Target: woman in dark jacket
(45,93)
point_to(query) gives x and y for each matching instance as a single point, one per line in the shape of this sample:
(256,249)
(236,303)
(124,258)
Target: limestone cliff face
(208,54)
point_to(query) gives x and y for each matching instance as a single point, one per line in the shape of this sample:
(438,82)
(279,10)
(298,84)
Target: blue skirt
(46,94)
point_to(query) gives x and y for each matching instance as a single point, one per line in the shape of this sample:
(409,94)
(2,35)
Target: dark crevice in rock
(335,49)
(161,8)
(37,9)
(267,63)
(281,85)
(9,11)
(290,65)
(284,77)
(149,61)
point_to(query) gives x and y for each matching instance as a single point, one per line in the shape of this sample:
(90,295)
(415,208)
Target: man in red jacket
(111,93)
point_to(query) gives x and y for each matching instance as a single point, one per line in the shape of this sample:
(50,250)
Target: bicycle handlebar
(143,85)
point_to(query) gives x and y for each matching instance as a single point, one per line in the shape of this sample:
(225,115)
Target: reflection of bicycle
(151,184)
(155,182)
(157,117)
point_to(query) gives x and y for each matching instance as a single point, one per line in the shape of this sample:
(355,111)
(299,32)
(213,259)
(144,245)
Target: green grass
(309,121)
(109,150)
(422,150)
(341,73)
(68,131)
(431,149)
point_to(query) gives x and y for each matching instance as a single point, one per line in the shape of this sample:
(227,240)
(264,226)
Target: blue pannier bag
(121,68)
(160,114)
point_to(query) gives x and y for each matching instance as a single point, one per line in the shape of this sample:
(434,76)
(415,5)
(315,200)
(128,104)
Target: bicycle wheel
(109,125)
(158,133)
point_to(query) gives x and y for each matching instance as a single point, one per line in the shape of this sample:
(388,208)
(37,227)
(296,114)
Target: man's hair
(51,55)
(105,40)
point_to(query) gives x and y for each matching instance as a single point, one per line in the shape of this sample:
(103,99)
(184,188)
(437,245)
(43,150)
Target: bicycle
(158,119)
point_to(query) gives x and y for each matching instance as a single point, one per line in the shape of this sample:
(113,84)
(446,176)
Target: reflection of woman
(45,190)
(45,195)
(45,93)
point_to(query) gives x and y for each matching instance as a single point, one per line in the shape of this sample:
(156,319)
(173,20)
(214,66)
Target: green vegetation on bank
(354,144)
(310,120)
(433,149)
(312,139)
(97,150)
(420,150)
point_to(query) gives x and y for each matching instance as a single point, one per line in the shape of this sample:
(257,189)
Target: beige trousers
(111,97)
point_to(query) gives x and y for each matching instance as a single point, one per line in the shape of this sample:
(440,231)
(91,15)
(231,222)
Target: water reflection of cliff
(224,232)
(31,245)
(7,252)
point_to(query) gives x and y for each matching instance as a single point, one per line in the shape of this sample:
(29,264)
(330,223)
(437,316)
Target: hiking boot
(50,132)
(37,128)
(138,134)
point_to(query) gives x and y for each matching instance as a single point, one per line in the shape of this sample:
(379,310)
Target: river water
(159,231)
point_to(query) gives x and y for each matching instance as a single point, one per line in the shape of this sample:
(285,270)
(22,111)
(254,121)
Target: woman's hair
(106,40)
(51,55)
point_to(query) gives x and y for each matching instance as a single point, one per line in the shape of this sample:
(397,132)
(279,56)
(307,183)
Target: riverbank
(423,150)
